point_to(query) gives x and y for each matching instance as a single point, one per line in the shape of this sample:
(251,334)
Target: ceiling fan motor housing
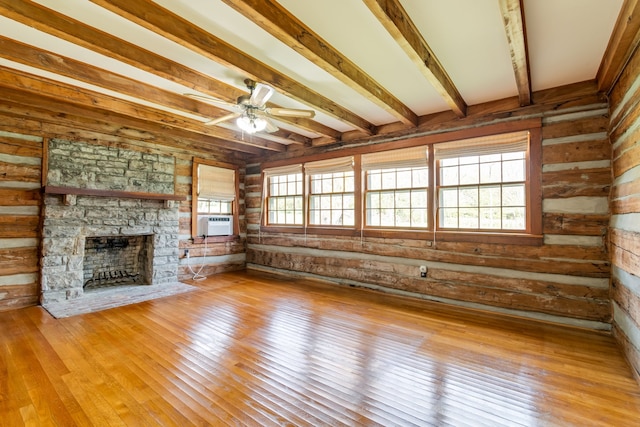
(244,100)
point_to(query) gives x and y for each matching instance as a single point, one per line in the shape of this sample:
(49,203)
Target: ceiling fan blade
(211,100)
(290,112)
(222,119)
(260,95)
(271,127)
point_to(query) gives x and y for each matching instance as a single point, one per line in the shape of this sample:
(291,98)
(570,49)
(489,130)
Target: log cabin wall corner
(625,211)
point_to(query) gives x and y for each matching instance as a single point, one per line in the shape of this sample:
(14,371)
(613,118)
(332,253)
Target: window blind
(485,145)
(340,164)
(283,170)
(402,158)
(216,183)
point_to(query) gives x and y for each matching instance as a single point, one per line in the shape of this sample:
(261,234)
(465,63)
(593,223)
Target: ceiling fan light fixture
(251,124)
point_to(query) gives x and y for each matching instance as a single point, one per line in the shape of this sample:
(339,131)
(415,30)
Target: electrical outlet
(423,271)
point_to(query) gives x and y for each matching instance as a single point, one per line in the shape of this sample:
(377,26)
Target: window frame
(531,236)
(194,201)
(268,197)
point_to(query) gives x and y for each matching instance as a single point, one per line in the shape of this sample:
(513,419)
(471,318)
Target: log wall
(625,211)
(20,201)
(23,136)
(566,279)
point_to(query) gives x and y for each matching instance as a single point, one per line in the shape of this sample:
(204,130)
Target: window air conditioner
(215,225)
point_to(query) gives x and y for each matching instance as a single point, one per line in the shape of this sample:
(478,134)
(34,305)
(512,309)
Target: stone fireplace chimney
(109,195)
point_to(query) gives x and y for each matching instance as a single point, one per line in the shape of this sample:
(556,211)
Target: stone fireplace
(110,223)
(102,222)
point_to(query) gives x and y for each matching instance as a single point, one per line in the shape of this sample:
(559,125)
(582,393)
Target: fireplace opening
(117,261)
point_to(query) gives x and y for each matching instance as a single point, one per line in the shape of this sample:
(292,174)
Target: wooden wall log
(625,208)
(476,288)
(572,152)
(20,201)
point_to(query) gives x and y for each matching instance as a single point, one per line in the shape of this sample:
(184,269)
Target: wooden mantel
(74,191)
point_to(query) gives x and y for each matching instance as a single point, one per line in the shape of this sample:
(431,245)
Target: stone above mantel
(69,194)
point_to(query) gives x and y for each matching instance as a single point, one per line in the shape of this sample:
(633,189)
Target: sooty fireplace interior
(115,261)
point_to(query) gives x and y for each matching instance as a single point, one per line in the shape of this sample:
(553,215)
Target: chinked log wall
(22,144)
(625,211)
(20,200)
(564,280)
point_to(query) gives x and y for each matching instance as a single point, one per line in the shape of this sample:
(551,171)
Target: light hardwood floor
(246,349)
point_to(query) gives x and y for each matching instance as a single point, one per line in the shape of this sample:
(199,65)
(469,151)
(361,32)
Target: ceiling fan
(252,115)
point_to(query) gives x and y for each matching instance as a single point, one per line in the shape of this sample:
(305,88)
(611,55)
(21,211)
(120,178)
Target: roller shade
(404,158)
(485,145)
(216,183)
(340,164)
(283,170)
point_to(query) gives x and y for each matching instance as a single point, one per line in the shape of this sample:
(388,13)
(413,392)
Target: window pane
(449,197)
(403,200)
(403,218)
(419,218)
(490,172)
(449,217)
(374,180)
(420,177)
(490,196)
(469,174)
(514,218)
(513,195)
(490,218)
(469,197)
(468,218)
(387,217)
(348,201)
(403,179)
(449,176)
(419,199)
(514,170)
(389,179)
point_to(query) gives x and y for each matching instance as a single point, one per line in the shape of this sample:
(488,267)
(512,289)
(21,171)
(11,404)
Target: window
(331,192)
(284,195)
(484,188)
(215,186)
(396,188)
(482,183)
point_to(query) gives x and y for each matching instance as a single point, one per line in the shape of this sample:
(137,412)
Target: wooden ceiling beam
(63,119)
(84,97)
(73,31)
(162,21)
(51,62)
(624,40)
(514,24)
(397,22)
(280,23)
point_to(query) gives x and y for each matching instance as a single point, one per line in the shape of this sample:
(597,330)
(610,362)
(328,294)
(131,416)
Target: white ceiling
(566,41)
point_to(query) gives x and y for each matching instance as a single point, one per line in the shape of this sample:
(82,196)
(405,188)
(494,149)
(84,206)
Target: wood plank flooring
(247,349)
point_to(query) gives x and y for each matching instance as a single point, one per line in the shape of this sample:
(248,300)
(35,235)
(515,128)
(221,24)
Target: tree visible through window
(331,192)
(284,196)
(482,183)
(396,188)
